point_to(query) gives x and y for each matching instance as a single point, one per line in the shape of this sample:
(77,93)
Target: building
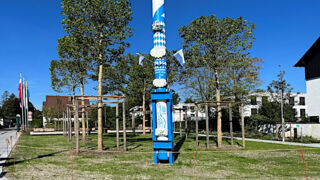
(58,105)
(254,102)
(189,110)
(311,63)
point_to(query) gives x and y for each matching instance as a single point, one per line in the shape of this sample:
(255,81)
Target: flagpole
(27,107)
(21,102)
(24,104)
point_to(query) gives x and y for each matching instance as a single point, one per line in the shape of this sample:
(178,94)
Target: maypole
(161,98)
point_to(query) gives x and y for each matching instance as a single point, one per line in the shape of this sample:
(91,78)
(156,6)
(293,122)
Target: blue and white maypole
(161,98)
(159,45)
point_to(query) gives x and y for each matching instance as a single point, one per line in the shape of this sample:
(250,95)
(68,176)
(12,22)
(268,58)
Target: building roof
(313,50)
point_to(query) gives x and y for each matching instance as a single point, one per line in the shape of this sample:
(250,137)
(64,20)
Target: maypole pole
(161,98)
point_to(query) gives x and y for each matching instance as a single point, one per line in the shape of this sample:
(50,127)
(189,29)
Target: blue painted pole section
(161,98)
(159,40)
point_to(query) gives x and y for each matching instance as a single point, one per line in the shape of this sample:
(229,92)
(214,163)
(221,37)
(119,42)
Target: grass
(49,157)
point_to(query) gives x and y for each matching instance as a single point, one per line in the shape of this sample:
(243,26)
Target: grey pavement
(6,136)
(314,145)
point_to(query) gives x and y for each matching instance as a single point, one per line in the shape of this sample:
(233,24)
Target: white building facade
(311,63)
(181,110)
(254,103)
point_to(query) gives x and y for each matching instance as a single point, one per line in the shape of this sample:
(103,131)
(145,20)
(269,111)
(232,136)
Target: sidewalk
(315,145)
(5,149)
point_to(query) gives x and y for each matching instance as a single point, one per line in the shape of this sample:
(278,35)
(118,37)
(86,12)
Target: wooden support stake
(186,123)
(242,126)
(151,120)
(69,125)
(76,124)
(180,123)
(144,109)
(197,127)
(124,126)
(231,126)
(290,131)
(117,125)
(133,124)
(87,128)
(207,126)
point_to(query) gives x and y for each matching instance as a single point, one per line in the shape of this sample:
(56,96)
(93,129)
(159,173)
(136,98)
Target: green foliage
(10,106)
(63,75)
(212,47)
(242,76)
(49,113)
(37,123)
(280,87)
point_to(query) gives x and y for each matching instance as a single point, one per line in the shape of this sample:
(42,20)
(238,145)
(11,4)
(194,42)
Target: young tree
(73,50)
(210,43)
(106,28)
(280,92)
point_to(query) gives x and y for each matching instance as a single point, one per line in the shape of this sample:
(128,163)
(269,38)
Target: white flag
(140,59)
(179,56)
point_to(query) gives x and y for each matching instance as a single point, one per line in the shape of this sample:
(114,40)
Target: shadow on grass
(10,163)
(177,147)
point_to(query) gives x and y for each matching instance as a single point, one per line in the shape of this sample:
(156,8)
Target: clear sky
(29,30)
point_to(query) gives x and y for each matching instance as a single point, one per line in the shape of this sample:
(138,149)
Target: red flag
(20,92)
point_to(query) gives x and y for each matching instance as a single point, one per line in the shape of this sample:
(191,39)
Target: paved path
(315,145)
(5,149)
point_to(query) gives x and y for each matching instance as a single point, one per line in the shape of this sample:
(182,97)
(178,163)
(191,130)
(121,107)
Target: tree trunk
(219,130)
(82,113)
(231,126)
(100,135)
(144,109)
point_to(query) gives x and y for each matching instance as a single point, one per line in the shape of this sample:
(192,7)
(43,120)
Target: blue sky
(29,30)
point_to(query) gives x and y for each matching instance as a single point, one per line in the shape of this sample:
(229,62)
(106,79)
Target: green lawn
(49,157)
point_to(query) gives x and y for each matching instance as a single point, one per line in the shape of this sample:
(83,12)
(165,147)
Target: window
(314,119)
(302,101)
(291,101)
(192,108)
(254,111)
(184,108)
(253,100)
(302,112)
